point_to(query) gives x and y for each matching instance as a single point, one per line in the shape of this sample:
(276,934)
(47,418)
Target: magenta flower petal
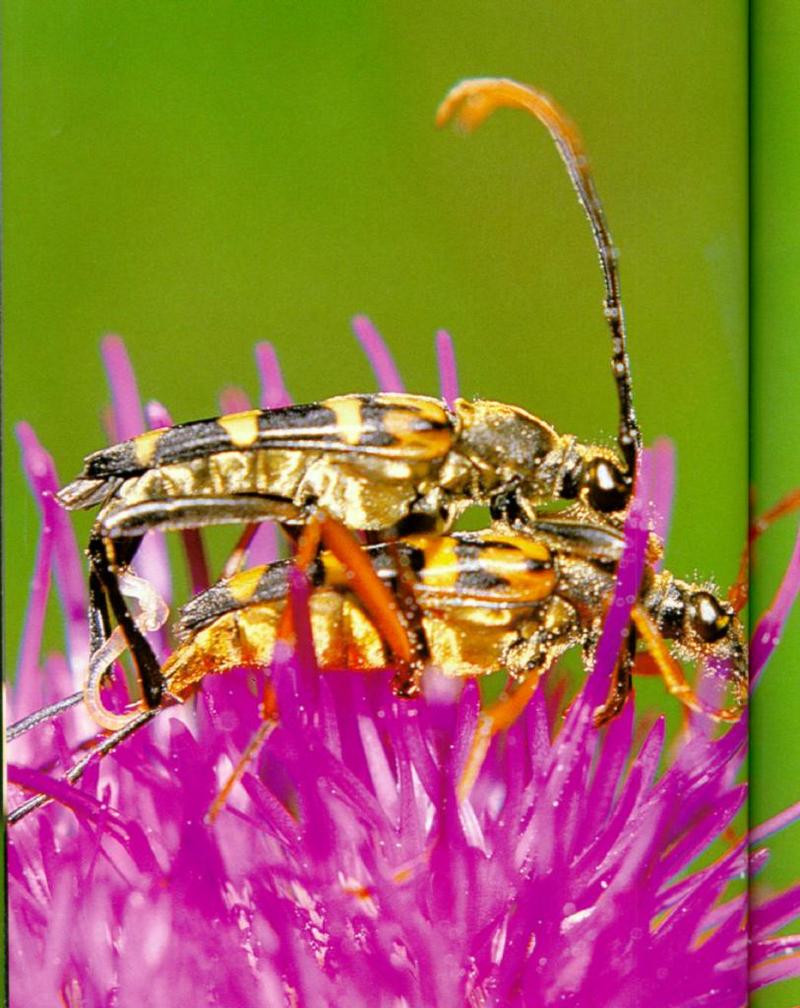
(448,369)
(378,354)
(341,864)
(663,452)
(31,643)
(274,393)
(775,962)
(59,543)
(233,400)
(159,416)
(128,421)
(126,406)
(626,589)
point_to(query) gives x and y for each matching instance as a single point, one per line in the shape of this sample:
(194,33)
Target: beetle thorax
(505,444)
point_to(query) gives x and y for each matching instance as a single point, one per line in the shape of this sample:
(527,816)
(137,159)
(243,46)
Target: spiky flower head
(585,868)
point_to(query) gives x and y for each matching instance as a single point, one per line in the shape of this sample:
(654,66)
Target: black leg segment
(105,570)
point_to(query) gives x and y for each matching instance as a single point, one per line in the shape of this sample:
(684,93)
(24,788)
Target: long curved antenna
(474,100)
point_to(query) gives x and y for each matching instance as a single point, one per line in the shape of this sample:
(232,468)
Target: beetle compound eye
(607,488)
(709,620)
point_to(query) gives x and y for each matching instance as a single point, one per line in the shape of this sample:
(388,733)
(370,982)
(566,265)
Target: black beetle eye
(709,620)
(607,489)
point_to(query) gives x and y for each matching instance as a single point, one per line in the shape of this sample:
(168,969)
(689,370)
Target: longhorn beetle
(488,600)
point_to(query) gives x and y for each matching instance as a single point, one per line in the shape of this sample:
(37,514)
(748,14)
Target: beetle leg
(644,664)
(100,662)
(376,599)
(672,673)
(527,658)
(106,647)
(117,537)
(406,682)
(196,512)
(268,709)
(43,714)
(786,505)
(306,548)
(739,591)
(105,560)
(77,770)
(621,683)
(99,621)
(501,714)
(373,595)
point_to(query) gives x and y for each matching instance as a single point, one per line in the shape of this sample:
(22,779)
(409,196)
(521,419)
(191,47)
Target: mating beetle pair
(402,468)
(388,464)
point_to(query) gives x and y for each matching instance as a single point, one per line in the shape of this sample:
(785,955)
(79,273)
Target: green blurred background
(198,177)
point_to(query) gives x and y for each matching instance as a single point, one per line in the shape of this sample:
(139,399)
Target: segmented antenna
(473,101)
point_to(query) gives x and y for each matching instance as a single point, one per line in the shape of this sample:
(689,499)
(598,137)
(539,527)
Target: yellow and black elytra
(487,601)
(383,463)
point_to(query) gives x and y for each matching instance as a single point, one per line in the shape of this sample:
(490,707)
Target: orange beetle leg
(671,672)
(406,682)
(372,593)
(621,685)
(269,713)
(645,665)
(738,593)
(500,715)
(307,549)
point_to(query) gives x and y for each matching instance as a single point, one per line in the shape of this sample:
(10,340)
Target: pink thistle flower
(586,868)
